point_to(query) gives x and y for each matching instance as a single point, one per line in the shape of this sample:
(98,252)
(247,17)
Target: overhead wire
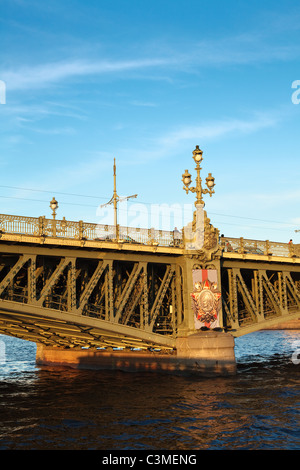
(141,202)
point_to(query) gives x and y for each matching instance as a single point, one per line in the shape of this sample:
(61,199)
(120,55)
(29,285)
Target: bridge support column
(206,353)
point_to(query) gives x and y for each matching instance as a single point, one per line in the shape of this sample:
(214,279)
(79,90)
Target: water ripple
(59,408)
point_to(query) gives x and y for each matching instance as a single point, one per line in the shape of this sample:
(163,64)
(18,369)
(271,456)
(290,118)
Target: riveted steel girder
(126,300)
(66,296)
(257,295)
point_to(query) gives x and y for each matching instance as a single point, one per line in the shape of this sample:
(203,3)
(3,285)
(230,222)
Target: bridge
(141,299)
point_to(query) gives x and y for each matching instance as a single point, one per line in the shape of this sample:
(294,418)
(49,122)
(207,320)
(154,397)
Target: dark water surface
(61,408)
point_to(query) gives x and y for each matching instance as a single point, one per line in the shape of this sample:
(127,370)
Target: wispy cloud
(241,49)
(34,112)
(218,128)
(147,104)
(247,48)
(53,131)
(281,197)
(40,76)
(160,148)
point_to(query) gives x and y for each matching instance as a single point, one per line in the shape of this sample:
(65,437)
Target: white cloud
(241,49)
(246,48)
(218,128)
(42,75)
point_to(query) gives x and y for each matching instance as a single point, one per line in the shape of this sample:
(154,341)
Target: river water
(64,409)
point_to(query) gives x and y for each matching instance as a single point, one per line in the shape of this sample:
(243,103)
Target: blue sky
(144,82)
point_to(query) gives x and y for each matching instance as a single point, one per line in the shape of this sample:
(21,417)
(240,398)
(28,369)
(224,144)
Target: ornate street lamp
(210,180)
(54,207)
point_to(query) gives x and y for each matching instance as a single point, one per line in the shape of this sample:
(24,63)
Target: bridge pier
(205,353)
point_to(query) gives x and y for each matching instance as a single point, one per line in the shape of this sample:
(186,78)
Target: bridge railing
(260,247)
(43,227)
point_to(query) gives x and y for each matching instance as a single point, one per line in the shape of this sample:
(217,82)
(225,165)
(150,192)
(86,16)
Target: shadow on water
(60,408)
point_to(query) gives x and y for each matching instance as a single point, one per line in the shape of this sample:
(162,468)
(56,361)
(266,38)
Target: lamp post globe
(197,155)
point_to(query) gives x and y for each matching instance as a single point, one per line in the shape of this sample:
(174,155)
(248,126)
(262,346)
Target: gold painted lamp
(186,179)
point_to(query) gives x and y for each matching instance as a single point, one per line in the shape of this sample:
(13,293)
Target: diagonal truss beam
(161,294)
(53,279)
(128,289)
(292,289)
(91,285)
(270,291)
(13,271)
(248,300)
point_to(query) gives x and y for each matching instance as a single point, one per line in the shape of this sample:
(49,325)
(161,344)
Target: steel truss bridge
(74,285)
